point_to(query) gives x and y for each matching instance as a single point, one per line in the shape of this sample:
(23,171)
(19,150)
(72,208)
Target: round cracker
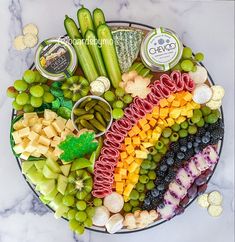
(212,104)
(30,40)
(202,201)
(215,198)
(214,210)
(30,29)
(19,43)
(217,92)
(105,81)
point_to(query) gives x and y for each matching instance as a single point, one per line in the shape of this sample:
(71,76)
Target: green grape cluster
(118,100)
(189,62)
(30,92)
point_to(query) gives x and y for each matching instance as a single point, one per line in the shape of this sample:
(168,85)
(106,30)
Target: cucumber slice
(98,17)
(109,54)
(95,52)
(84,20)
(71,28)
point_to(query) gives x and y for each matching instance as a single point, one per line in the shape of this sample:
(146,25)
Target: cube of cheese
(148,116)
(164,112)
(57,152)
(54,143)
(188,96)
(146,127)
(24,132)
(44,140)
(142,122)
(175,103)
(152,122)
(18,148)
(147,144)
(16,137)
(49,115)
(120,164)
(141,154)
(142,135)
(37,128)
(127,141)
(25,155)
(130,149)
(69,125)
(59,125)
(123,155)
(50,131)
(129,159)
(33,135)
(57,138)
(171,98)
(136,140)
(32,121)
(42,149)
(30,115)
(163,103)
(51,155)
(32,146)
(175,113)
(117,177)
(46,122)
(170,121)
(128,189)
(18,125)
(119,186)
(136,129)
(36,154)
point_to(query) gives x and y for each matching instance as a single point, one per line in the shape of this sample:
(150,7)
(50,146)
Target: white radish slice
(214,104)
(215,198)
(19,43)
(214,210)
(30,29)
(114,202)
(101,216)
(115,223)
(97,88)
(30,40)
(199,76)
(202,94)
(217,92)
(203,201)
(105,81)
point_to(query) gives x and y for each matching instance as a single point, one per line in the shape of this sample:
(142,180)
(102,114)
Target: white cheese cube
(50,131)
(24,132)
(36,154)
(32,121)
(57,138)
(18,125)
(33,135)
(59,125)
(30,115)
(25,155)
(44,140)
(16,137)
(54,143)
(32,146)
(18,148)
(57,152)
(37,128)
(42,149)
(69,125)
(61,120)
(46,122)
(49,115)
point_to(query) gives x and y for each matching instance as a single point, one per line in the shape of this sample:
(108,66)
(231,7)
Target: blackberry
(160,173)
(155,202)
(161,205)
(217,133)
(190,138)
(183,141)
(171,174)
(190,152)
(201,131)
(174,146)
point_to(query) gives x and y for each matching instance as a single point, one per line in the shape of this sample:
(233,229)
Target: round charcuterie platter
(117,127)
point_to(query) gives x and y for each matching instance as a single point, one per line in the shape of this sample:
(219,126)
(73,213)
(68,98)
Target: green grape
(187,65)
(187,53)
(134,195)
(199,56)
(149,157)
(152,175)
(146,164)
(80,229)
(36,91)
(46,87)
(88,222)
(152,151)
(192,129)
(184,125)
(90,211)
(16,106)
(109,96)
(153,166)
(157,157)
(175,127)
(134,203)
(119,92)
(71,214)
(118,104)
(165,141)
(140,187)
(177,67)
(73,224)
(36,102)
(81,205)
(37,76)
(20,85)
(197,112)
(174,137)
(163,150)
(127,207)
(143,179)
(216,112)
(194,68)
(81,195)
(28,108)
(97,202)
(81,216)
(183,133)
(200,123)
(48,97)
(22,98)
(166,132)
(12,92)
(211,118)
(159,145)
(68,200)
(150,185)
(88,197)
(143,171)
(117,113)
(127,99)
(142,197)
(29,76)
(205,110)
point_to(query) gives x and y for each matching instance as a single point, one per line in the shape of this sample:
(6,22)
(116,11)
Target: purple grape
(201,189)
(179,210)
(202,179)
(192,191)
(184,201)
(207,172)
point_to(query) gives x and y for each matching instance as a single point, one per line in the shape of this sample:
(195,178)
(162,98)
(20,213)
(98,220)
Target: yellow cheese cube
(19,148)
(59,125)
(171,98)
(44,140)
(142,135)
(42,149)
(175,103)
(130,149)
(132,167)
(46,122)
(50,131)
(148,116)
(123,155)
(184,111)
(120,164)
(32,146)
(131,133)
(37,154)
(175,113)
(142,122)
(128,189)
(141,154)
(136,140)
(18,125)
(147,144)
(187,96)
(117,177)
(195,105)
(57,152)
(158,129)
(136,129)
(152,122)
(180,119)
(190,114)
(30,115)
(119,186)
(163,103)
(123,172)
(189,106)
(146,127)
(133,178)
(16,137)
(164,112)
(24,132)
(32,121)
(138,161)
(155,111)
(170,121)
(69,125)
(129,159)
(127,141)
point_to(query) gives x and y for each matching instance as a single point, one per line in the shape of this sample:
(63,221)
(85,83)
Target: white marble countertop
(206,26)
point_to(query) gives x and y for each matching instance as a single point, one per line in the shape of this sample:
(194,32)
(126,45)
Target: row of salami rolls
(105,165)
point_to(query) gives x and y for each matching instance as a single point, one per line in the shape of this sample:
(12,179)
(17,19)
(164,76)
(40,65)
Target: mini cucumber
(84,20)
(71,28)
(84,102)
(135,66)
(109,54)
(95,52)
(90,105)
(87,125)
(98,17)
(144,72)
(100,118)
(104,106)
(103,112)
(85,116)
(85,60)
(79,111)
(97,125)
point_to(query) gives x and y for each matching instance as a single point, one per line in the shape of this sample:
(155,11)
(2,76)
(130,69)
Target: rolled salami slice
(117,129)
(143,103)
(176,77)
(101,192)
(167,82)
(162,89)
(124,124)
(105,172)
(110,152)
(109,160)
(189,84)
(113,144)
(156,93)
(152,99)
(138,110)
(114,137)
(129,114)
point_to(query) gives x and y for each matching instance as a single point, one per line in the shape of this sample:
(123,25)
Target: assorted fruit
(116,143)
